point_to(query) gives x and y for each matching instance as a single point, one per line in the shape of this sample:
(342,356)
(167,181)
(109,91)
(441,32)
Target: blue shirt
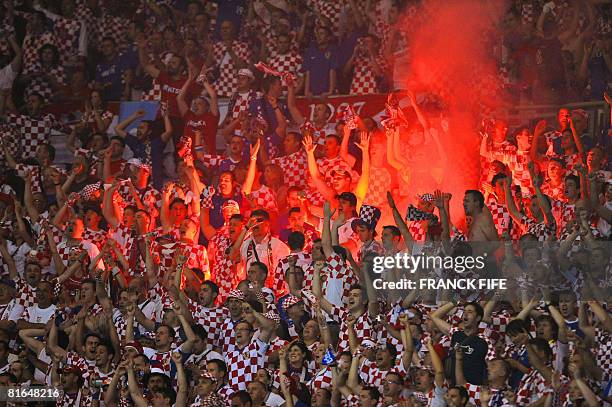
(319,63)
(216,215)
(110,75)
(272,141)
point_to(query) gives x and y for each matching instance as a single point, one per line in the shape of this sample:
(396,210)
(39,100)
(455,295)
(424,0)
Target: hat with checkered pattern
(368,216)
(87,193)
(208,376)
(136,162)
(290,301)
(237,294)
(272,316)
(426,197)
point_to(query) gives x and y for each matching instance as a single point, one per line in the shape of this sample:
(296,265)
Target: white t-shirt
(37,315)
(12,311)
(274,400)
(7,76)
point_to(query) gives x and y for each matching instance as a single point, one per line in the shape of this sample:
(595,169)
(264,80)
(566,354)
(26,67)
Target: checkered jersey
(197,256)
(321,380)
(542,230)
(160,296)
(380,183)
(295,168)
(554,192)
(517,160)
(82,398)
(97,237)
(26,295)
(364,327)
(40,83)
(67,31)
(30,47)
(240,102)
(371,374)
(65,251)
(326,166)
(286,63)
(227,340)
(532,387)
(328,9)
(276,281)
(224,271)
(243,364)
(275,344)
(210,318)
(90,118)
(263,198)
(603,351)
(563,213)
(86,366)
(114,26)
(369,248)
(228,80)
(504,148)
(418,230)
(502,218)
(364,78)
(32,131)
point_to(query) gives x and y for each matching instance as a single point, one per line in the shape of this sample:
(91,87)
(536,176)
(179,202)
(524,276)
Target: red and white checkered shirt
(26,295)
(532,388)
(228,79)
(33,132)
(295,168)
(224,271)
(321,380)
(41,85)
(286,63)
(364,327)
(150,197)
(517,161)
(114,26)
(227,340)
(240,102)
(197,256)
(502,218)
(542,230)
(563,213)
(380,183)
(97,237)
(373,376)
(328,9)
(474,394)
(244,363)
(603,351)
(210,318)
(67,31)
(263,198)
(326,165)
(364,78)
(31,45)
(276,281)
(418,230)
(555,193)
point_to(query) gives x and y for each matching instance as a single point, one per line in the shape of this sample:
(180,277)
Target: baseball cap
(246,72)
(349,197)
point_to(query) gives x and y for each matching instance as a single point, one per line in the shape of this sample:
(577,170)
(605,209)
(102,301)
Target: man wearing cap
(146,145)
(227,342)
(230,56)
(206,394)
(241,99)
(365,227)
(70,380)
(201,118)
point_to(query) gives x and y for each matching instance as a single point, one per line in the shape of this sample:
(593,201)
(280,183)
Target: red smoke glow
(450,47)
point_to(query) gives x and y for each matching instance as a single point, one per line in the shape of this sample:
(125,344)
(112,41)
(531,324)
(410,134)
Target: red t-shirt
(170,89)
(205,123)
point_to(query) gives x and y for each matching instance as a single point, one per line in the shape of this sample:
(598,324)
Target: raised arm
(437,317)
(250,177)
(182,392)
(294,112)
(328,192)
(326,239)
(392,134)
(145,62)
(536,181)
(364,180)
(135,393)
(181,100)
(121,127)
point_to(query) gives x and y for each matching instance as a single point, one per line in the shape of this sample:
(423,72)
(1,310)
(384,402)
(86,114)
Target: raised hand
(308,144)
(327,211)
(177,358)
(364,141)
(255,149)
(390,200)
(438,198)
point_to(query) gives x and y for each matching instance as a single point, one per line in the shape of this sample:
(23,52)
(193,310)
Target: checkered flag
(206,198)
(87,194)
(307,127)
(348,116)
(369,214)
(416,214)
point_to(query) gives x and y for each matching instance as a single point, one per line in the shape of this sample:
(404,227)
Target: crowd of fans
(158,270)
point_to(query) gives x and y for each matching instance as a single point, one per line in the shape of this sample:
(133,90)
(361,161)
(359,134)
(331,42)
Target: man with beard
(146,144)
